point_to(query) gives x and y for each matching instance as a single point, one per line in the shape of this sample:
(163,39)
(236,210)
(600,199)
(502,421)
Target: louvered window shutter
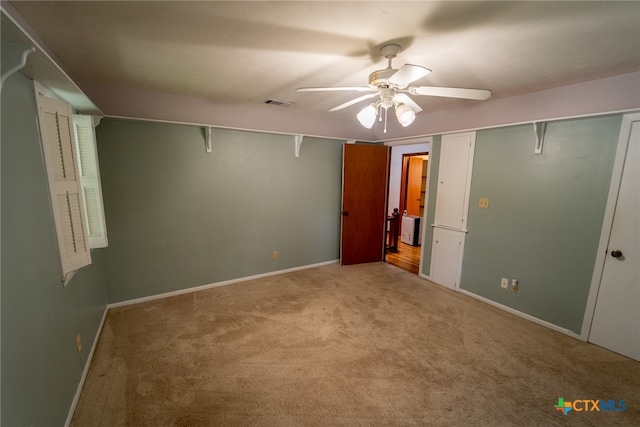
(56,130)
(90,180)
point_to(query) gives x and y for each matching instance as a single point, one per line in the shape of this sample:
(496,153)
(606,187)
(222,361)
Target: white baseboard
(217,284)
(513,311)
(87,365)
(524,315)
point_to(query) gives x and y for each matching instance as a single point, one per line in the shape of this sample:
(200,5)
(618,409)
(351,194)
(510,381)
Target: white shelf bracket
(23,61)
(298,143)
(208,143)
(538,130)
(95,120)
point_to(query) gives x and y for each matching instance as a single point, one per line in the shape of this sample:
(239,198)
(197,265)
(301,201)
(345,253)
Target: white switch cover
(504,283)
(483,203)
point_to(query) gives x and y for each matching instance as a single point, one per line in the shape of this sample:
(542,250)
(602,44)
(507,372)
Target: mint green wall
(179,217)
(41,369)
(545,216)
(432,188)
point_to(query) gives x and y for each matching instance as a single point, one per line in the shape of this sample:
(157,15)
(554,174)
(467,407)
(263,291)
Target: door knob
(345,213)
(616,253)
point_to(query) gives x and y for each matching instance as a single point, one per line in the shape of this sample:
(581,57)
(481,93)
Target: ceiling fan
(392,86)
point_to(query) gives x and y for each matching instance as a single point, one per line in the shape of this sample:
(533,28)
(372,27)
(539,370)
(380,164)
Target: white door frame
(404,147)
(607,223)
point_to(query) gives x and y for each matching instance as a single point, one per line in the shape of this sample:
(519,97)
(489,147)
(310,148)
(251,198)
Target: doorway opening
(404,225)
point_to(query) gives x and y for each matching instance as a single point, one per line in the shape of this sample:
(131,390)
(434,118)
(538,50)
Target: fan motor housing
(381,77)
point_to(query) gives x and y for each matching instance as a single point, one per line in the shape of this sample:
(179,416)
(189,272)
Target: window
(74,181)
(84,130)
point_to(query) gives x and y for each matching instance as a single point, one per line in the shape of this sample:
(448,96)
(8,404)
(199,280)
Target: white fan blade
(335,88)
(403,98)
(407,74)
(450,92)
(354,101)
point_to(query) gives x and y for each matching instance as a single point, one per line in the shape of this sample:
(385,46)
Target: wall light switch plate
(504,283)
(483,203)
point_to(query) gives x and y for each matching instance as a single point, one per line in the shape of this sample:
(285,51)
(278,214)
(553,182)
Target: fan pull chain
(386,111)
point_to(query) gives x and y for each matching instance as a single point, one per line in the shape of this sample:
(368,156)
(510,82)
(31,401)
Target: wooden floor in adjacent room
(407,257)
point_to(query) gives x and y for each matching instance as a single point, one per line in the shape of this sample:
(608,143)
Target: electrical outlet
(78,343)
(274,255)
(504,283)
(514,285)
(483,203)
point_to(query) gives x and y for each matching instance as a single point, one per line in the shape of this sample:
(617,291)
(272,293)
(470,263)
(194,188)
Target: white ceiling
(247,52)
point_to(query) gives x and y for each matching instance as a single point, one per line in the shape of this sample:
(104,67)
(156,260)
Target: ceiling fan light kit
(367,116)
(392,86)
(405,115)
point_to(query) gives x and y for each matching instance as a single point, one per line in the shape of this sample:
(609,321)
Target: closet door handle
(345,213)
(616,253)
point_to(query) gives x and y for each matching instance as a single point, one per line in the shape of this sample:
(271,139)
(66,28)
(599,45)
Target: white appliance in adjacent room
(410,230)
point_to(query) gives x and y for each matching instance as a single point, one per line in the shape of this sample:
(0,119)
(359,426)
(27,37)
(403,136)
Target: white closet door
(454,176)
(452,206)
(447,249)
(616,319)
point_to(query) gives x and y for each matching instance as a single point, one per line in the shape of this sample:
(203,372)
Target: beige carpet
(367,345)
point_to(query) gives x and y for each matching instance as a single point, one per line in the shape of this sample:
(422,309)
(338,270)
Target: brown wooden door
(414,186)
(364,191)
